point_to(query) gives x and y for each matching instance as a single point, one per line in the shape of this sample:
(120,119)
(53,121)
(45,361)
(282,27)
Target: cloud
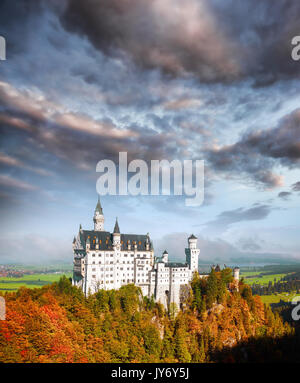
(215,41)
(257,153)
(177,36)
(38,108)
(284,195)
(229,217)
(12,161)
(183,103)
(296,186)
(47,123)
(35,249)
(216,250)
(265,30)
(10,182)
(249,244)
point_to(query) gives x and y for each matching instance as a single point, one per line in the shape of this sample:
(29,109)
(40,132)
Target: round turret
(236,273)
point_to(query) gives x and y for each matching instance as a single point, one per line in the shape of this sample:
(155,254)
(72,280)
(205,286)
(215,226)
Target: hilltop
(56,323)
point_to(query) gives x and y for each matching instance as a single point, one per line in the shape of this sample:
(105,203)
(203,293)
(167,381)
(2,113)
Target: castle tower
(236,277)
(98,217)
(116,235)
(192,253)
(236,273)
(165,257)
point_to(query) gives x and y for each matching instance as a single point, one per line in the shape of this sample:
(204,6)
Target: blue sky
(189,79)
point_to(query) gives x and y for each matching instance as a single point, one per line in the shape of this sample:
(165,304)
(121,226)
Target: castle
(104,260)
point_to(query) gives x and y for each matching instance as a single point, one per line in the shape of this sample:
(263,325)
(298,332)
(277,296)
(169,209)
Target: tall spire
(98,217)
(99,207)
(117,229)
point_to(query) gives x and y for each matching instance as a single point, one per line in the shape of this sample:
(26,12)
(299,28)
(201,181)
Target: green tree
(212,288)
(182,351)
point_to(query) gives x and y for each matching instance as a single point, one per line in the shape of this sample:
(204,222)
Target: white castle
(104,260)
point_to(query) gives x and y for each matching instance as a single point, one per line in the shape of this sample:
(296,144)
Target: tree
(173,310)
(182,351)
(212,288)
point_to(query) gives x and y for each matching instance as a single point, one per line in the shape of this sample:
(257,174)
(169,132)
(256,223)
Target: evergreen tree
(212,288)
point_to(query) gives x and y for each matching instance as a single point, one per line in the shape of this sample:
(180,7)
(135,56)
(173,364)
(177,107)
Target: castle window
(100,241)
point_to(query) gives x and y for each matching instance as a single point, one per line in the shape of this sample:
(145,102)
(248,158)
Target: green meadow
(31,281)
(261,279)
(276,298)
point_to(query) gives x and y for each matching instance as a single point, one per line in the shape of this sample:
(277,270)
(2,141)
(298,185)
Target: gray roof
(173,264)
(165,252)
(192,237)
(99,207)
(117,229)
(105,240)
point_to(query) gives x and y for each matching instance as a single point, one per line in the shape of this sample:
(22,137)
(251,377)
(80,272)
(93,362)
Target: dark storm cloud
(15,24)
(265,30)
(178,37)
(258,152)
(213,40)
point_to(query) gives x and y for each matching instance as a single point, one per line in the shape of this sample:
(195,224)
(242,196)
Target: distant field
(249,273)
(30,281)
(263,280)
(251,277)
(276,298)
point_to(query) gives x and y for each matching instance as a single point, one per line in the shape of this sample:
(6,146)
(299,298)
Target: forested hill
(56,323)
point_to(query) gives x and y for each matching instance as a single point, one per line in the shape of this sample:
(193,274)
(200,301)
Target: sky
(161,79)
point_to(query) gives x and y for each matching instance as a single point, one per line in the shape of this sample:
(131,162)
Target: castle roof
(173,264)
(105,240)
(192,237)
(117,229)
(165,252)
(99,207)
